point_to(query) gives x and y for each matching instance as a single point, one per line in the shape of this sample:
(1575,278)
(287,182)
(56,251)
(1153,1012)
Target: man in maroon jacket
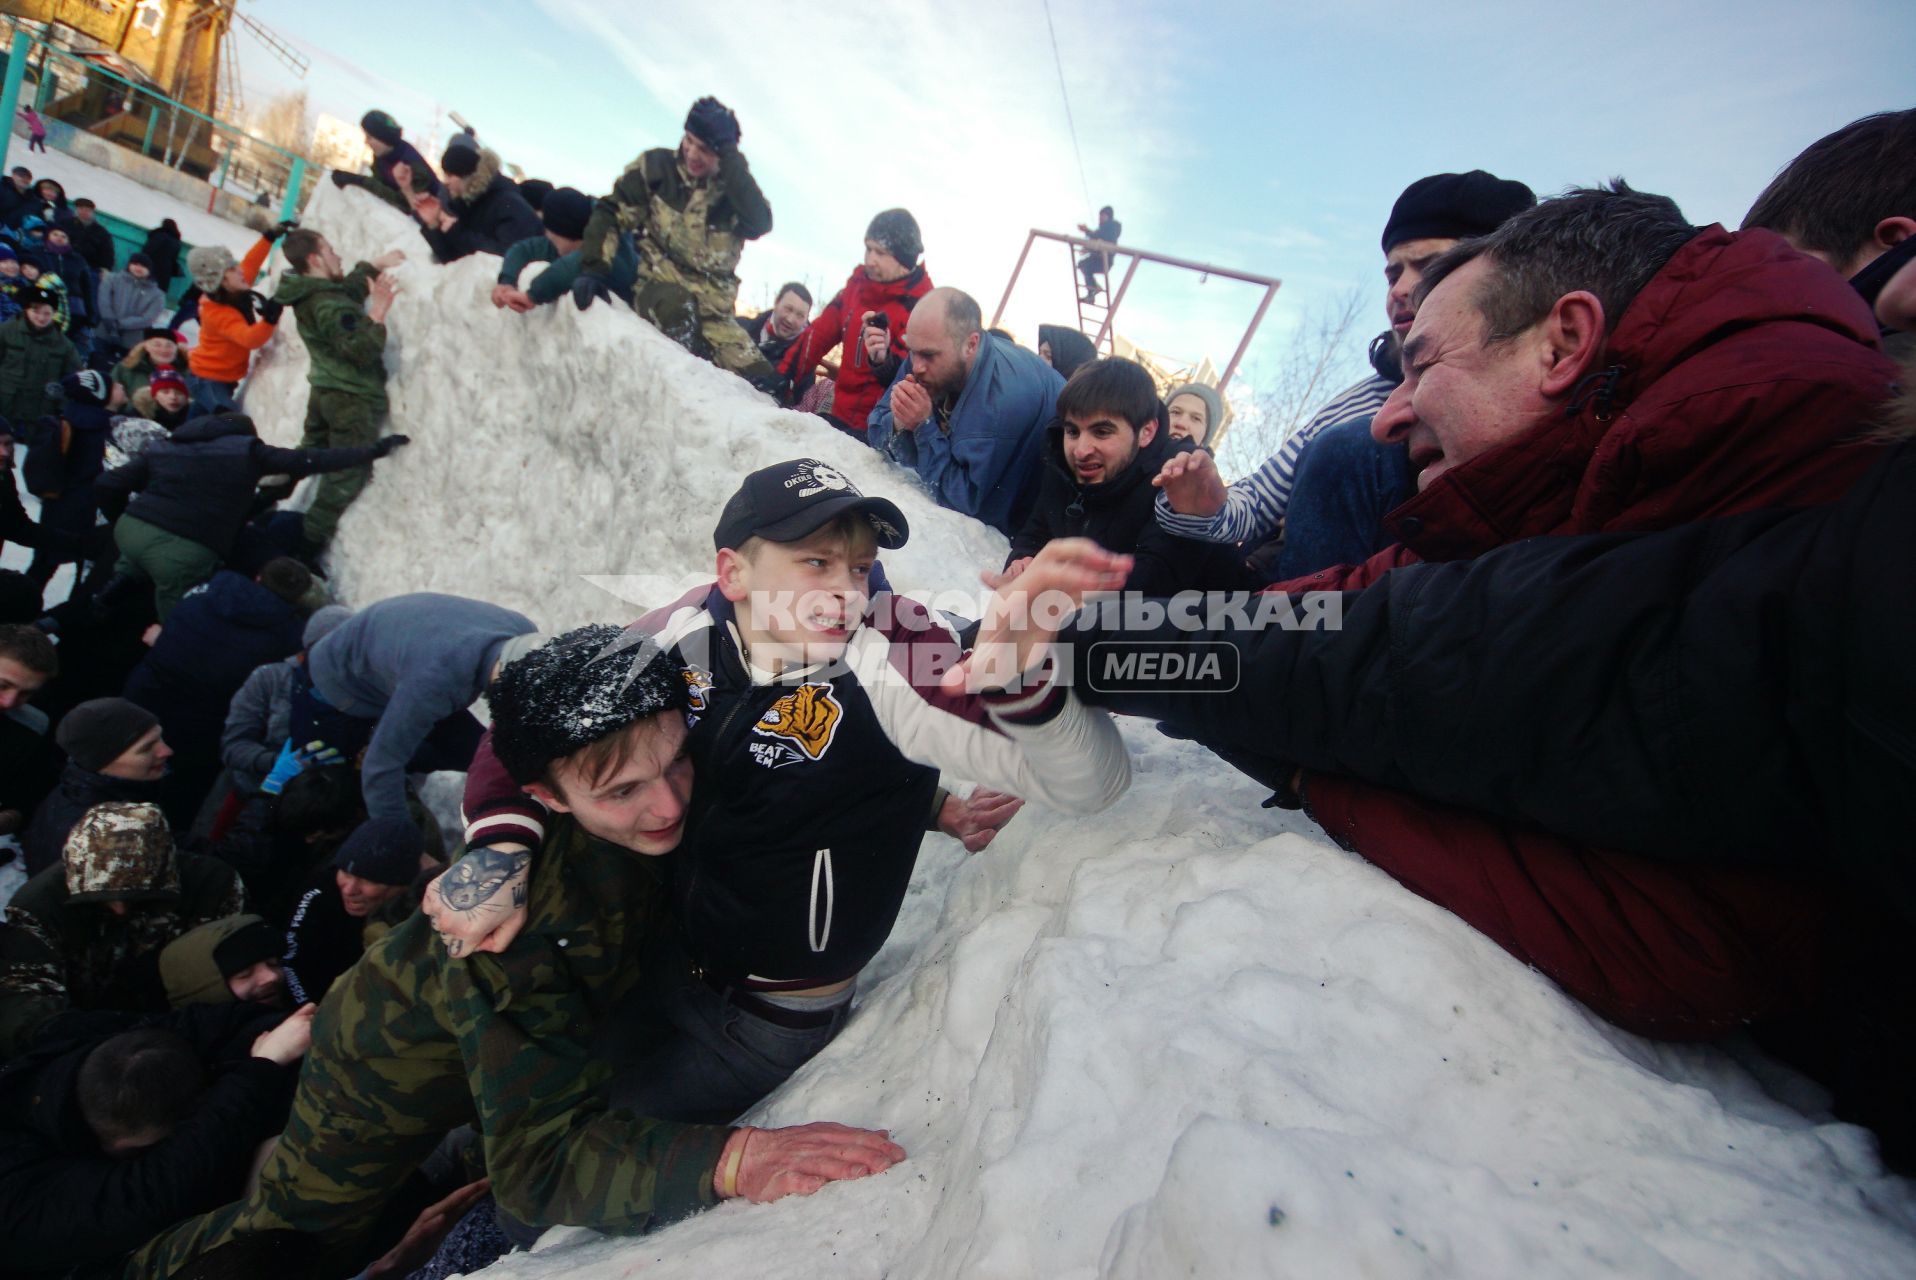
(1598,364)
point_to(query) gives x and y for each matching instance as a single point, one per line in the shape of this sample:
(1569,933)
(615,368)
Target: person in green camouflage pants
(414,1042)
(342,321)
(691,211)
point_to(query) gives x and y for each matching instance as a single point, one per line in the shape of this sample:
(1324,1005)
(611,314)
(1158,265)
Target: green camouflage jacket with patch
(698,227)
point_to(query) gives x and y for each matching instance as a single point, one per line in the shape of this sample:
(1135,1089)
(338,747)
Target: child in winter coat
(342,321)
(234,322)
(66,454)
(10,282)
(157,348)
(33,352)
(130,302)
(164,400)
(33,270)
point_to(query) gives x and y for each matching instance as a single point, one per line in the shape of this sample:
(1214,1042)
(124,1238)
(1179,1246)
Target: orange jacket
(227,342)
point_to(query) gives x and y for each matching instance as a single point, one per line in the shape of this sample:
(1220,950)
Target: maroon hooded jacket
(1744,375)
(859,388)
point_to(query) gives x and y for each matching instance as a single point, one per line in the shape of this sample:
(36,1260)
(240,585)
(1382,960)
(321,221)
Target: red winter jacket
(1746,374)
(858,388)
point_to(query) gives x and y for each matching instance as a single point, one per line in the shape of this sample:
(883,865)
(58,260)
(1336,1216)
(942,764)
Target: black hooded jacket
(491,218)
(200,483)
(1119,516)
(64,1204)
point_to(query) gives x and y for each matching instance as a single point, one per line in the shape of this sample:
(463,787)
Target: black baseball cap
(788,501)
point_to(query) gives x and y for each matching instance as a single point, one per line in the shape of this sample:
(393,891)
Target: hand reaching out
(774,1163)
(976,820)
(1191,483)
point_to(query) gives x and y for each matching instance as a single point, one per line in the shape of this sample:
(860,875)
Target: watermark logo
(1156,666)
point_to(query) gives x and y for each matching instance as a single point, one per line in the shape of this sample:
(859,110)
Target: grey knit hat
(896,232)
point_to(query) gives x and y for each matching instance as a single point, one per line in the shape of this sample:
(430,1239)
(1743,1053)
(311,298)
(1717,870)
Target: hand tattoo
(473,880)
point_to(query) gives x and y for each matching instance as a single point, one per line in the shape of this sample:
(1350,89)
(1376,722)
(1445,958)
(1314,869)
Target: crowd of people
(1608,530)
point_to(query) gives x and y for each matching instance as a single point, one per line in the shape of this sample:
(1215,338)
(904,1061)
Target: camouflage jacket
(428,1043)
(697,227)
(346,348)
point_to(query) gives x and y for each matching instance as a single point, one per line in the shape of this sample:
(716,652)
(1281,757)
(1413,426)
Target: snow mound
(1186,1037)
(562,461)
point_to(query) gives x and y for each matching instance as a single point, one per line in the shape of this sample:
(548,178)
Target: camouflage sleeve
(33,984)
(624,210)
(753,209)
(555,1153)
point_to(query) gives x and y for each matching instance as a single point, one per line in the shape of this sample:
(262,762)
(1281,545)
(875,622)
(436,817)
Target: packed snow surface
(124,198)
(1188,1036)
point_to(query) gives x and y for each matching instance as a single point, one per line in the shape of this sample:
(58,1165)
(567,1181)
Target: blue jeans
(1346,484)
(211,397)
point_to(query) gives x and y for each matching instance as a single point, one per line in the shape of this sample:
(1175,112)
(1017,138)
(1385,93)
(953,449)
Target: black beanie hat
(461,159)
(573,691)
(377,124)
(1455,206)
(139,260)
(565,212)
(535,191)
(94,733)
(383,850)
(896,232)
(714,124)
(247,945)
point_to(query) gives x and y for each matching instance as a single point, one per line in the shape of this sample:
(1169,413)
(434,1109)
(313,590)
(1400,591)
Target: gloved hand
(274,232)
(387,444)
(588,289)
(342,179)
(774,384)
(267,309)
(294,761)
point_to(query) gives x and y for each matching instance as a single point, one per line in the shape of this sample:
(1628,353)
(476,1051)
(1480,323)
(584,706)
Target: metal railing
(1115,251)
(77,93)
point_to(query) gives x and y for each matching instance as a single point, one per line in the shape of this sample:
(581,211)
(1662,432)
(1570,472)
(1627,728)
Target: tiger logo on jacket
(807,718)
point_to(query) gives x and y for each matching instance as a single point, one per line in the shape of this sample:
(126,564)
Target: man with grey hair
(1596,365)
(968,412)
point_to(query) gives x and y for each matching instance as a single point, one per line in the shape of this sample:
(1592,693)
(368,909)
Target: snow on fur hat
(565,212)
(573,691)
(206,263)
(896,232)
(323,623)
(379,125)
(95,733)
(84,386)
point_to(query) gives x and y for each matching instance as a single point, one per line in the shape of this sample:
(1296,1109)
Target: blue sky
(1267,136)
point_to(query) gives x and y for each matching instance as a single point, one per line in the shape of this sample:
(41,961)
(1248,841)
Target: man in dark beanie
(1330,485)
(115,751)
(130,302)
(399,171)
(564,214)
(351,903)
(483,211)
(412,1043)
(866,319)
(691,210)
(234,959)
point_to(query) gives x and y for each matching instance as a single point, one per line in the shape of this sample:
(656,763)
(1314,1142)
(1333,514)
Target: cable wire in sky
(1066,95)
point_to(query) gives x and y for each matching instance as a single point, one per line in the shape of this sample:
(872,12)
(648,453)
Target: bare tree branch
(1321,358)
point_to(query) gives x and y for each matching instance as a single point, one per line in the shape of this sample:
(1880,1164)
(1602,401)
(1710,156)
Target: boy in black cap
(817,734)
(691,210)
(564,213)
(351,903)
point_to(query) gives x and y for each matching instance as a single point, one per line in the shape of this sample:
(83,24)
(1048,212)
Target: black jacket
(492,221)
(67,450)
(1737,691)
(1119,515)
(64,1204)
(94,242)
(163,247)
(78,790)
(200,483)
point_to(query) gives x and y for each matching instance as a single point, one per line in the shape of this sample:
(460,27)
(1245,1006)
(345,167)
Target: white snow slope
(1186,1037)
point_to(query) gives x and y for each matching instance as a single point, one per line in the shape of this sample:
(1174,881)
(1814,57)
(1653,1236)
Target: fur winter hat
(896,232)
(573,691)
(206,263)
(565,212)
(381,127)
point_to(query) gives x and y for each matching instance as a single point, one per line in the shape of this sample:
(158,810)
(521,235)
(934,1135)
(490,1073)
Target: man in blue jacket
(968,413)
(412,663)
